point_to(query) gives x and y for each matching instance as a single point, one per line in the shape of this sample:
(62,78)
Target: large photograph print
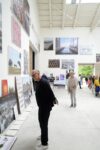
(21,10)
(14,61)
(85,50)
(0,28)
(67,46)
(27,90)
(68,64)
(48,43)
(8,102)
(16,33)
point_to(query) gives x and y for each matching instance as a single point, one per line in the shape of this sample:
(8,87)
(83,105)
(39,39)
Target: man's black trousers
(43,116)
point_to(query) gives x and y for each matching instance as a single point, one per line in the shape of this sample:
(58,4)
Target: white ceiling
(56,13)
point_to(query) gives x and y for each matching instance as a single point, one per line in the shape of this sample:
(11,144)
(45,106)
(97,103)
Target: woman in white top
(72,85)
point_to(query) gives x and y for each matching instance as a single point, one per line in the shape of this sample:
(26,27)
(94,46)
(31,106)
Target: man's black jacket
(44,95)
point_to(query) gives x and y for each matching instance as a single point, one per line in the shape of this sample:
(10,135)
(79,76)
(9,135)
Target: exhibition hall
(49,74)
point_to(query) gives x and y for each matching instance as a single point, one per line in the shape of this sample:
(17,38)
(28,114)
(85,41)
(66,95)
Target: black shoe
(74,105)
(71,105)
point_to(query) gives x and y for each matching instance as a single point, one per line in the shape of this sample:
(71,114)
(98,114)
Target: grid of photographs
(54,63)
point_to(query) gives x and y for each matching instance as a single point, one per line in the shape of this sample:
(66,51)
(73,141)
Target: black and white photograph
(67,64)
(48,43)
(97,57)
(27,90)
(66,46)
(85,50)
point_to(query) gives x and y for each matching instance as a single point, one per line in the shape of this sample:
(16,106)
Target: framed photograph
(54,63)
(97,57)
(14,61)
(66,46)
(48,43)
(27,90)
(21,10)
(16,33)
(0,28)
(67,64)
(4,87)
(85,50)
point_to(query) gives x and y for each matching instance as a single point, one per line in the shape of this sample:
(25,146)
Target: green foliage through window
(86,70)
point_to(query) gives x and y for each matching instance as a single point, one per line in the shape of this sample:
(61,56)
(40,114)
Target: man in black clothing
(45,100)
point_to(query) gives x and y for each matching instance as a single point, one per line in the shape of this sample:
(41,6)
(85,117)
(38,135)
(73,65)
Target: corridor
(69,128)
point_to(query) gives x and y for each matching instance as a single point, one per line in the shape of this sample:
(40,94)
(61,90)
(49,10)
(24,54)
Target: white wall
(25,39)
(85,38)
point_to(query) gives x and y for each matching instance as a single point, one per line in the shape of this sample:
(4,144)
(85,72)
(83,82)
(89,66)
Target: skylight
(81,1)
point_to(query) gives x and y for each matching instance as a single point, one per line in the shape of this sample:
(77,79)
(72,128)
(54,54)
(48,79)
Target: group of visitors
(94,82)
(46,99)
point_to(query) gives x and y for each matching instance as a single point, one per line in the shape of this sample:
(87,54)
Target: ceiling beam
(63,13)
(50,15)
(95,19)
(76,14)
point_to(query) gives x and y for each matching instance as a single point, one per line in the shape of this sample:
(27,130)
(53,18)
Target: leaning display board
(24,90)
(20,96)
(8,102)
(6,142)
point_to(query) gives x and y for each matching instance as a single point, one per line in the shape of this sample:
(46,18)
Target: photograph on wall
(25,62)
(54,63)
(27,90)
(85,50)
(4,87)
(66,46)
(48,43)
(8,102)
(16,33)
(21,10)
(67,64)
(97,57)
(14,61)
(0,28)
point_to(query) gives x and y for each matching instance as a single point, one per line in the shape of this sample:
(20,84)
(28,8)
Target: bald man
(45,100)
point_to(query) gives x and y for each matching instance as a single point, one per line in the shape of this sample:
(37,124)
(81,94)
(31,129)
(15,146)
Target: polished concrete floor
(69,128)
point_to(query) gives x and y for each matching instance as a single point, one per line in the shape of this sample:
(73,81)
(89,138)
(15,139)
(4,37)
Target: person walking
(45,100)
(72,85)
(80,81)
